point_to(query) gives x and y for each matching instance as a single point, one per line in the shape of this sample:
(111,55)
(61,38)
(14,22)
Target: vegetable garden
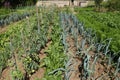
(52,44)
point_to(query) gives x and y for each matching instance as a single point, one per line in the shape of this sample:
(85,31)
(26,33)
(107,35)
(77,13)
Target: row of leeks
(71,26)
(14,18)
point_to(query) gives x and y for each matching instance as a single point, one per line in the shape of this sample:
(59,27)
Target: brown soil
(6,74)
(3,29)
(19,64)
(39,74)
(75,61)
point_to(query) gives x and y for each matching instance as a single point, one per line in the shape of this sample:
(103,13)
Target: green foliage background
(106,24)
(113,4)
(15,3)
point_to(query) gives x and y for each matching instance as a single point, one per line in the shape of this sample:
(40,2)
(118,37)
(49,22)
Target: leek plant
(107,46)
(118,67)
(13,17)
(67,70)
(38,19)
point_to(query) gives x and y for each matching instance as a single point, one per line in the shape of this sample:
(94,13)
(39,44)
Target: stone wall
(62,3)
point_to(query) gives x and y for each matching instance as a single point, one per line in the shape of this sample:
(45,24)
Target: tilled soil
(101,69)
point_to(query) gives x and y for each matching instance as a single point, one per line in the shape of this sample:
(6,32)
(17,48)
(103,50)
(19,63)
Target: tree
(72,1)
(98,3)
(15,3)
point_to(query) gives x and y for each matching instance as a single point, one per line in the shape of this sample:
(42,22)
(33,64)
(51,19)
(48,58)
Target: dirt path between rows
(40,73)
(3,29)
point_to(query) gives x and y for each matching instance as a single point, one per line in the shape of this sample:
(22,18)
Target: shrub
(15,3)
(113,5)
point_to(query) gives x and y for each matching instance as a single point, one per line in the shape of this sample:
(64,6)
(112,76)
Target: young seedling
(118,67)
(107,46)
